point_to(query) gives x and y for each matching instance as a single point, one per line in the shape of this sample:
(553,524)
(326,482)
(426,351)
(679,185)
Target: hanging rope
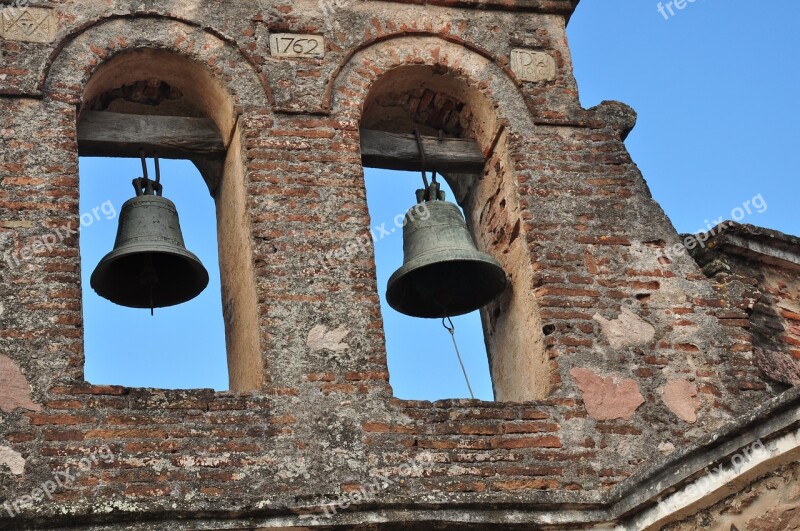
(452,330)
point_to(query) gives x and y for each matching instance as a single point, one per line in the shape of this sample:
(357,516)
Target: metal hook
(140,183)
(441,139)
(144,164)
(157,186)
(143,185)
(451,328)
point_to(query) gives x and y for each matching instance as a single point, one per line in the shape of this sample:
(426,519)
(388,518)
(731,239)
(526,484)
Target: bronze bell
(149,266)
(443,274)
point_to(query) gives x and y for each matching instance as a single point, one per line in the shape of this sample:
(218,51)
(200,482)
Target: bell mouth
(445,284)
(179,273)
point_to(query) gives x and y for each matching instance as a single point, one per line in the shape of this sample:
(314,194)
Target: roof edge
(764,245)
(555,7)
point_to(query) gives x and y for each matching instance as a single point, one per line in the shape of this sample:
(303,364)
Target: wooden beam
(108,134)
(394,151)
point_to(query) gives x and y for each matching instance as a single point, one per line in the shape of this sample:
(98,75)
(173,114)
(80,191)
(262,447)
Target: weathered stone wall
(768,262)
(637,345)
(772,503)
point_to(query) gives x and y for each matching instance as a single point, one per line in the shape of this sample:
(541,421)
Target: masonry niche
(164,103)
(442,105)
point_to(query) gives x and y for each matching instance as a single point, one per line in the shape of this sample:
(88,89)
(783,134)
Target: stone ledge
(557,7)
(754,243)
(632,504)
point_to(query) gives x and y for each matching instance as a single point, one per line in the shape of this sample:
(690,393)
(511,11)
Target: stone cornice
(556,7)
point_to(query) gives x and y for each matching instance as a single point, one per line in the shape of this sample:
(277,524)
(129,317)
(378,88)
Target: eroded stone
(779,519)
(13,460)
(666,448)
(14,389)
(28,24)
(777,366)
(532,65)
(680,396)
(626,330)
(320,338)
(608,397)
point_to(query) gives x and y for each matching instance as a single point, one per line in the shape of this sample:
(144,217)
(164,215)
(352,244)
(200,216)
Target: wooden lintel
(393,151)
(107,134)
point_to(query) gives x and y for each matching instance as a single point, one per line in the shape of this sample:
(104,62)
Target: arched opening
(167,104)
(441,104)
(181,346)
(421,358)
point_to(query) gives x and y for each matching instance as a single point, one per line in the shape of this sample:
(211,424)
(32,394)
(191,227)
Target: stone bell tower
(623,372)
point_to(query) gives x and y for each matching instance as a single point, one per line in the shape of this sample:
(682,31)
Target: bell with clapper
(149,266)
(443,274)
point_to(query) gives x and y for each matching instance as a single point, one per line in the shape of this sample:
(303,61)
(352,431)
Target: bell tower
(601,338)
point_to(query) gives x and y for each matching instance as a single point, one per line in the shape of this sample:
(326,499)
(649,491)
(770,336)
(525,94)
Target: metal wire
(452,330)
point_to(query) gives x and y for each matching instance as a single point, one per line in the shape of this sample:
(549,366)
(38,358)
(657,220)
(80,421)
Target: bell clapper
(452,329)
(149,279)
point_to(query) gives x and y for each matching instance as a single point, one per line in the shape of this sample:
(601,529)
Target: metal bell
(149,266)
(443,274)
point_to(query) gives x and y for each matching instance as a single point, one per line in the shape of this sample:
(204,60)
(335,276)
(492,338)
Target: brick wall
(762,264)
(618,318)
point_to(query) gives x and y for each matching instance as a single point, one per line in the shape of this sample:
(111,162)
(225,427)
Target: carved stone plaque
(529,65)
(295,45)
(29,24)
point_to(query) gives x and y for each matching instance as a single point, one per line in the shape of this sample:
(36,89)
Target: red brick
(530,427)
(43,419)
(321,377)
(527,484)
(603,240)
(382,427)
(527,442)
(338,388)
(368,375)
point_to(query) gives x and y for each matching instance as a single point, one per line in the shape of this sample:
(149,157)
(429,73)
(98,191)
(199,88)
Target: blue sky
(715,89)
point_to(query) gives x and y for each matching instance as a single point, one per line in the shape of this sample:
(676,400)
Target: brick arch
(217,84)
(480,73)
(77,57)
(465,83)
